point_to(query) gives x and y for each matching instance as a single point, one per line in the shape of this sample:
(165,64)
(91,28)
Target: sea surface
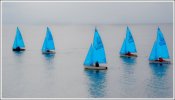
(30,74)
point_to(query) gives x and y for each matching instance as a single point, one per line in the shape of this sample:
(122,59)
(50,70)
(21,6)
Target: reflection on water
(34,75)
(128,67)
(158,81)
(129,60)
(97,83)
(18,56)
(49,56)
(49,60)
(159,70)
(18,53)
(128,79)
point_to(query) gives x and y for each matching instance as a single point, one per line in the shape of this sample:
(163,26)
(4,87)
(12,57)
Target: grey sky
(90,0)
(87,13)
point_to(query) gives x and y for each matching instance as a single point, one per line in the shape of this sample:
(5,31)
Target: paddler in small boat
(129,54)
(17,49)
(160,59)
(47,50)
(96,64)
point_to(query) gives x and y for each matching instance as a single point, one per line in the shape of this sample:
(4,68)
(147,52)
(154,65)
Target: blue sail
(89,58)
(48,42)
(123,48)
(153,55)
(99,52)
(18,42)
(96,51)
(160,48)
(128,43)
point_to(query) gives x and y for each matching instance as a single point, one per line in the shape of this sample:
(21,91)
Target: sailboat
(159,51)
(128,46)
(96,54)
(48,45)
(18,44)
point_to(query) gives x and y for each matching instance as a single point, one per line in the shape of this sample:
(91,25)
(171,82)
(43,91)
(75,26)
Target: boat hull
(95,68)
(133,55)
(22,49)
(158,62)
(50,52)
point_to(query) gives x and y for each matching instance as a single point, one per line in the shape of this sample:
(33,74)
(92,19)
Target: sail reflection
(127,77)
(49,60)
(158,81)
(97,83)
(129,60)
(18,57)
(49,56)
(159,70)
(18,53)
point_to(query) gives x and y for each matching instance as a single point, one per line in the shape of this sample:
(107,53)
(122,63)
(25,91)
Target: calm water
(31,74)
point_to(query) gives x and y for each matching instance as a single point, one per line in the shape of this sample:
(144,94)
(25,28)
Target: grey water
(30,74)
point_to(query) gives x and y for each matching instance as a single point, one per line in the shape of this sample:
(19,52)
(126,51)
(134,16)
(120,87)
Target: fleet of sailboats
(96,53)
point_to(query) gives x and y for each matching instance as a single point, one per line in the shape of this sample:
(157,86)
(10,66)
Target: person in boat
(17,49)
(96,64)
(160,59)
(47,50)
(128,54)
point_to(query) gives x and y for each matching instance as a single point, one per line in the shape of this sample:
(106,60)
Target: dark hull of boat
(95,68)
(50,52)
(133,55)
(19,49)
(158,62)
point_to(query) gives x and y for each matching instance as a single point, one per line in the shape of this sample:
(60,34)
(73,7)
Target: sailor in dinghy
(18,44)
(159,51)
(48,45)
(128,46)
(96,54)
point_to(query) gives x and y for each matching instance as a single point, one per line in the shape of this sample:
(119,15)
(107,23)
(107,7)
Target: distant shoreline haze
(87,12)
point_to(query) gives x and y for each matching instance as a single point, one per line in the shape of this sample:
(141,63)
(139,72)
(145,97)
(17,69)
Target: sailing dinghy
(48,45)
(18,44)
(96,54)
(128,46)
(159,51)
